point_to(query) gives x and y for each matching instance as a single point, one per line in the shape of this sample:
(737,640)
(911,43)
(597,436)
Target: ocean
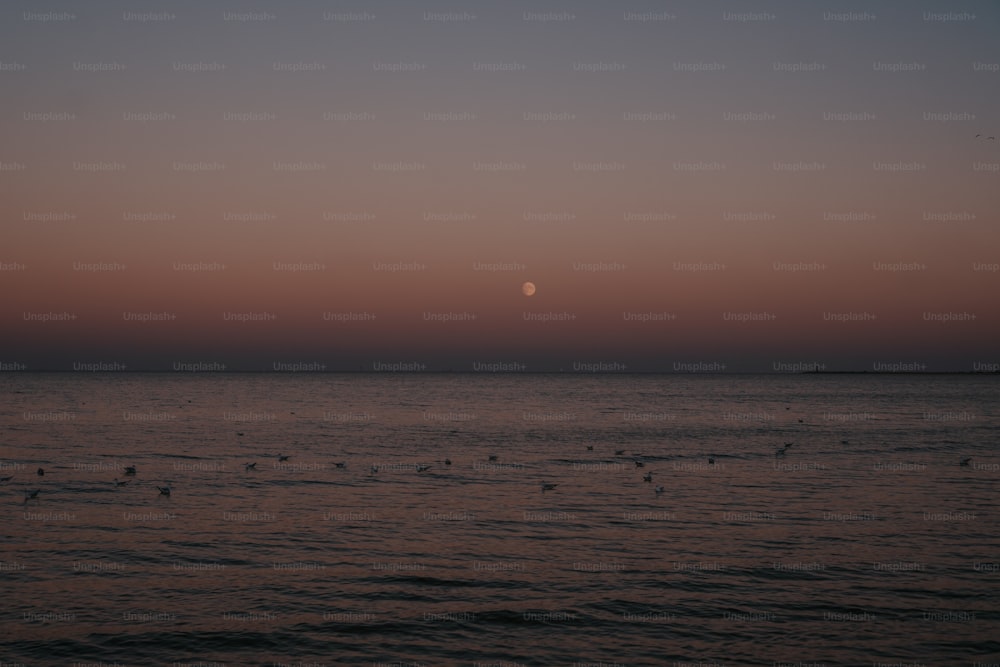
(872,539)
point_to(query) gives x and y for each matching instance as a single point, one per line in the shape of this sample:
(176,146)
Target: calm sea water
(867,542)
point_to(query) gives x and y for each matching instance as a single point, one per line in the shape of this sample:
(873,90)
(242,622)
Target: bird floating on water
(966,461)
(711,460)
(493,457)
(421,468)
(164,490)
(41,471)
(639,464)
(283,457)
(373,470)
(658,490)
(6,479)
(120,483)
(250,466)
(447,462)
(619,452)
(548,486)
(781,451)
(340,464)
(129,470)
(648,477)
(590,448)
(30,495)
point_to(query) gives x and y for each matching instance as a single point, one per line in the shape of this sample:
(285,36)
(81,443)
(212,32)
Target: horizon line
(473,372)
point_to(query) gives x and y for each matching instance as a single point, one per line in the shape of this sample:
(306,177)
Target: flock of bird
(130,471)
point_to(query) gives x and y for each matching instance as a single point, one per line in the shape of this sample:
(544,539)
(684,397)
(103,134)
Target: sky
(689,186)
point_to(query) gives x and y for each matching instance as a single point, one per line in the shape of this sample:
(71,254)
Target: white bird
(548,486)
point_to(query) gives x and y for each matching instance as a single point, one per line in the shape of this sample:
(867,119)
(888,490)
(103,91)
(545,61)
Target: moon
(528,289)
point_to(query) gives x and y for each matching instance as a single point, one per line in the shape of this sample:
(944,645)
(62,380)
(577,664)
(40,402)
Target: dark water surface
(866,543)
